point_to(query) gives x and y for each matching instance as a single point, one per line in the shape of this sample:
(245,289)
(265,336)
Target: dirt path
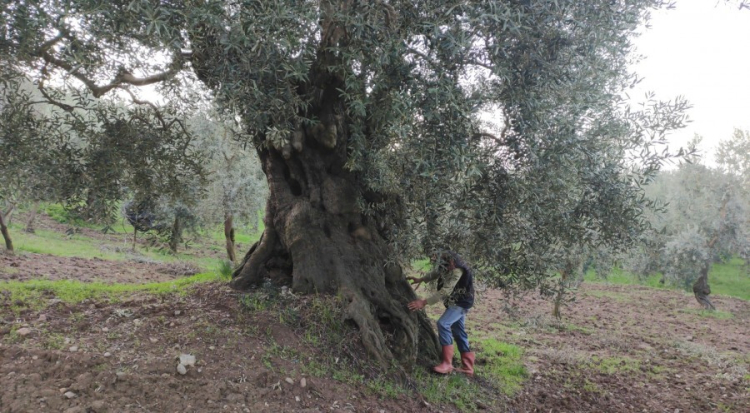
(30,266)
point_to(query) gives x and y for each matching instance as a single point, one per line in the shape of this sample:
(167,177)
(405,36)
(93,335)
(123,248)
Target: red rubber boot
(467,363)
(447,365)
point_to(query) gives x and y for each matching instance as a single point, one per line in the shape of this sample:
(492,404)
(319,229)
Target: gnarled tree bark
(318,240)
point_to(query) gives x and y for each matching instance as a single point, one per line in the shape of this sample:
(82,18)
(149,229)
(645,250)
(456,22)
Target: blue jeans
(451,324)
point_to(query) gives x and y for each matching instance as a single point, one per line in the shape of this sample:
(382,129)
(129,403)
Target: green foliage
(705,220)
(58,213)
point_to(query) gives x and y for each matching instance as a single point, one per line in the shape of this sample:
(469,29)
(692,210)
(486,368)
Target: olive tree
(705,219)
(236,188)
(368,121)
(27,154)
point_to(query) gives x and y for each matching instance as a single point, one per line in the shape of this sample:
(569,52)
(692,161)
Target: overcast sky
(700,50)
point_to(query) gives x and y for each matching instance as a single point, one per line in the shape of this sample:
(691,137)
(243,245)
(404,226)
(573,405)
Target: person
(455,287)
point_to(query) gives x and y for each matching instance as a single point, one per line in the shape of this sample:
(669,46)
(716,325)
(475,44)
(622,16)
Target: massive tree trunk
(702,290)
(317,239)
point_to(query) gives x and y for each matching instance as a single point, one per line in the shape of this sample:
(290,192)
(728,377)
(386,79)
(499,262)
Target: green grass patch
(717,314)
(614,365)
(452,390)
(61,245)
(730,279)
(35,293)
(54,243)
(503,364)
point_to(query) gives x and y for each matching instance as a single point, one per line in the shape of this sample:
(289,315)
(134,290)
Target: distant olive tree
(236,189)
(28,154)
(706,219)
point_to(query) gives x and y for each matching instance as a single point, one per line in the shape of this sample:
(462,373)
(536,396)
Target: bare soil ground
(618,349)
(123,357)
(627,349)
(32,266)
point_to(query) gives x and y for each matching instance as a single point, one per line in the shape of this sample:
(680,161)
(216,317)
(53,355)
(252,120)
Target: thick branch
(122,78)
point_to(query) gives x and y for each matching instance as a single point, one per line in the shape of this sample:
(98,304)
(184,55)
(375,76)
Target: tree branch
(156,110)
(123,77)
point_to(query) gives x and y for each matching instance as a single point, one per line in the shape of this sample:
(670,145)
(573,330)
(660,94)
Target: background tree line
(703,218)
(105,161)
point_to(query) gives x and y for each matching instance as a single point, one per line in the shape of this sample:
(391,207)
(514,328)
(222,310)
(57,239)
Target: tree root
(251,271)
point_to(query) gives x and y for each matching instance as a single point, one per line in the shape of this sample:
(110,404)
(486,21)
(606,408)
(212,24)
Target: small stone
(42,318)
(107,354)
(211,348)
(153,339)
(171,324)
(187,359)
(137,322)
(303,382)
(177,312)
(70,395)
(63,390)
(296,398)
(120,374)
(181,369)
(34,357)
(289,380)
(73,349)
(23,332)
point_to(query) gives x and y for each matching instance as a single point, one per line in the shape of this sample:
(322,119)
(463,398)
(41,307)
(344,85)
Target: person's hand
(417,305)
(416,282)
